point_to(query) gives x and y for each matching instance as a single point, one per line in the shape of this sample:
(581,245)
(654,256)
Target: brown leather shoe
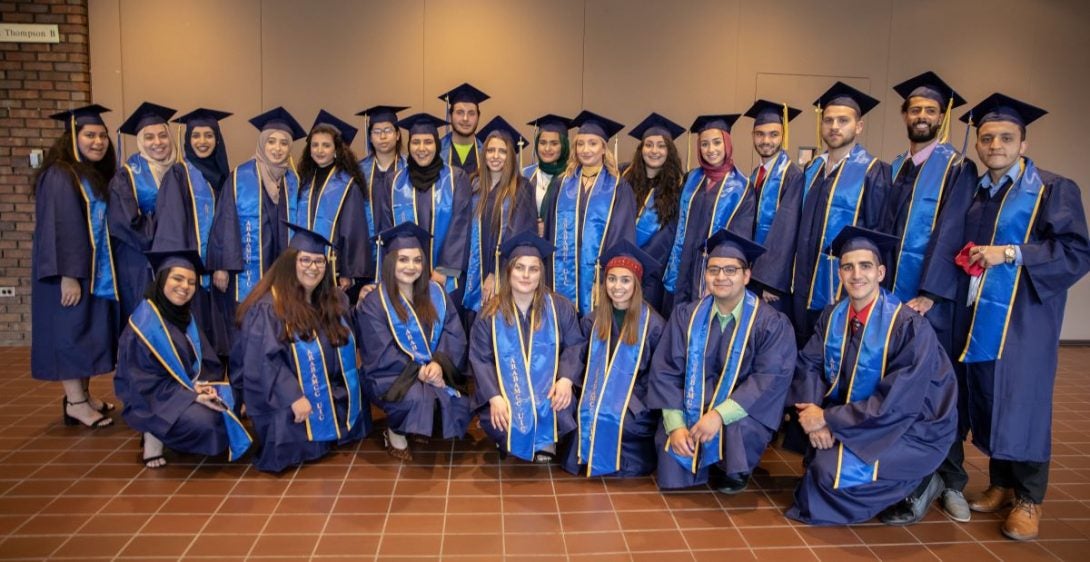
(1024,520)
(992,500)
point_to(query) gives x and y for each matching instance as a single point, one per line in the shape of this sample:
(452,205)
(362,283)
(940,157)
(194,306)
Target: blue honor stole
(102,282)
(145,190)
(863,377)
(696,347)
(728,196)
(842,209)
(769,201)
(403,207)
(527,372)
(148,325)
(474,276)
(327,213)
(409,333)
(529,171)
(313,373)
(368,167)
(999,284)
(579,236)
(923,209)
(248,194)
(647,221)
(607,391)
(203,199)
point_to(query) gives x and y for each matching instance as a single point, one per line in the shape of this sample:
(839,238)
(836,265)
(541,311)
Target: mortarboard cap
(499,125)
(656,124)
(306,240)
(164,260)
(725,244)
(279,118)
(145,115)
(403,236)
(464,93)
(526,243)
(348,132)
(594,124)
(552,123)
(721,122)
(86,115)
(847,96)
(853,238)
(421,123)
(629,256)
(202,117)
(382,113)
(763,112)
(929,85)
(998,107)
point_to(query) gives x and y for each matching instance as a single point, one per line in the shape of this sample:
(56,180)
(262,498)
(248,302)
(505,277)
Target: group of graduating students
(619,321)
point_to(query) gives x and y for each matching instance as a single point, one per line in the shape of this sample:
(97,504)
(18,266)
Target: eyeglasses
(382,132)
(307,262)
(729,270)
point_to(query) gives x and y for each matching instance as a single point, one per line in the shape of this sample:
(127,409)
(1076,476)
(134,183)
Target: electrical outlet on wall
(6,292)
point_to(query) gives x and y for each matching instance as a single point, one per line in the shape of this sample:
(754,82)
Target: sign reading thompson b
(29,33)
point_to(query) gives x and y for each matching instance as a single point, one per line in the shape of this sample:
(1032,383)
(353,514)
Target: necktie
(760,180)
(856,326)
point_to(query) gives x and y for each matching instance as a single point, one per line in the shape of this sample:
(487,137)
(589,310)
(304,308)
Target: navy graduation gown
(906,425)
(75,341)
(351,235)
(156,403)
(379,183)
(763,381)
(383,361)
(772,270)
(658,247)
(448,153)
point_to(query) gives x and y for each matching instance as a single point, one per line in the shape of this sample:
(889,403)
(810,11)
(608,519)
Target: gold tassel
(688,150)
(945,127)
(75,147)
(817,115)
(785,134)
(179,149)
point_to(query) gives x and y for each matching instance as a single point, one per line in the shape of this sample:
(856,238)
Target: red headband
(628,263)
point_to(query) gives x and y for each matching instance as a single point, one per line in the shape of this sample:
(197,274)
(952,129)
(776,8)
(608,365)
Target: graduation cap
(526,243)
(422,123)
(929,85)
(146,114)
(165,259)
(381,114)
(853,238)
(722,122)
(463,93)
(348,132)
(86,115)
(999,107)
(764,112)
(847,96)
(552,123)
(278,118)
(725,244)
(202,117)
(306,240)
(656,124)
(403,236)
(594,124)
(629,256)
(499,125)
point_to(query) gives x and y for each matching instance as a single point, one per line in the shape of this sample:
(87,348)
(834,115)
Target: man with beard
(460,147)
(932,182)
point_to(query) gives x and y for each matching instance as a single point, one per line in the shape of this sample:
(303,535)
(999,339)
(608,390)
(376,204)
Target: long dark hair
(98,174)
(508,184)
(668,181)
(301,318)
(344,159)
(504,301)
(603,314)
(421,301)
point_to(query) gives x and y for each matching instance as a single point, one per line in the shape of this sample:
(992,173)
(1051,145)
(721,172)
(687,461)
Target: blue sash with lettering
(247,187)
(409,334)
(728,195)
(607,388)
(103,283)
(148,325)
(368,167)
(526,377)
(474,276)
(579,237)
(842,209)
(695,404)
(923,209)
(204,208)
(144,188)
(999,286)
(769,200)
(862,378)
(313,373)
(647,222)
(403,207)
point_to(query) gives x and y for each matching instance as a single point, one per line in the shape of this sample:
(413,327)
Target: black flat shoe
(104,421)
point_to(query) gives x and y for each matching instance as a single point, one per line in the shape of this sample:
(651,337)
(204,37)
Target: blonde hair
(608,160)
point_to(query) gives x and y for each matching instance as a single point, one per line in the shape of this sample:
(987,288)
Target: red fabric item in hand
(962,260)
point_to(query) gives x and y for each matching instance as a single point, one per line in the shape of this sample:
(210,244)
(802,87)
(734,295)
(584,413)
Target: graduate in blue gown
(415,347)
(73,296)
(656,175)
(333,195)
(552,149)
(525,355)
(134,194)
(168,377)
(715,196)
(383,161)
(616,429)
(720,375)
(203,144)
(1029,232)
(460,147)
(592,209)
(248,230)
(875,394)
(294,360)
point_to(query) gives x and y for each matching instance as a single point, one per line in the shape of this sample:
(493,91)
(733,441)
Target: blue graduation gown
(763,381)
(378,197)
(906,426)
(383,361)
(482,361)
(351,236)
(76,341)
(1010,400)
(658,247)
(640,421)
(772,270)
(156,403)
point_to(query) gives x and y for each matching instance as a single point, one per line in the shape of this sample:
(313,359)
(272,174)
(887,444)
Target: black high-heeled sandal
(106,406)
(101,422)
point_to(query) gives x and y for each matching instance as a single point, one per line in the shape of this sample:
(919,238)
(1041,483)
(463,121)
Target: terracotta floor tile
(295,523)
(758,518)
(355,523)
(284,545)
(589,521)
(472,544)
(1011,550)
(52,524)
(528,504)
(92,546)
(191,504)
(524,545)
(844,553)
(414,523)
(143,546)
(779,554)
(586,502)
(109,524)
(884,534)
(37,547)
(638,501)
(306,504)
(361,504)
(733,555)
(410,545)
(175,523)
(255,505)
(904,553)
(771,537)
(702,519)
(347,545)
(646,520)
(644,541)
(961,552)
(713,539)
(529,523)
(828,536)
(662,556)
(471,523)
(233,547)
(594,543)
(229,523)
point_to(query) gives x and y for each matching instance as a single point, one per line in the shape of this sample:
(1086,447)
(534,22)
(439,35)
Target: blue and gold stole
(403,207)
(694,401)
(769,201)
(527,372)
(447,152)
(647,221)
(368,167)
(313,373)
(103,282)
(579,237)
(727,198)
(474,276)
(923,209)
(147,323)
(529,171)
(203,199)
(327,213)
(248,193)
(862,378)
(842,209)
(144,188)
(409,333)
(606,391)
(999,285)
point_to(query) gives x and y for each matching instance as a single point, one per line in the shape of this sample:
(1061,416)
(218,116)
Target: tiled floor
(69,493)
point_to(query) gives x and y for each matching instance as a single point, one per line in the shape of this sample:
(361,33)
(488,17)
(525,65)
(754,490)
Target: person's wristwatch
(1009,254)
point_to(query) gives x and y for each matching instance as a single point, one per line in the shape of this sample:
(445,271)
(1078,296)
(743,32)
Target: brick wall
(36,80)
